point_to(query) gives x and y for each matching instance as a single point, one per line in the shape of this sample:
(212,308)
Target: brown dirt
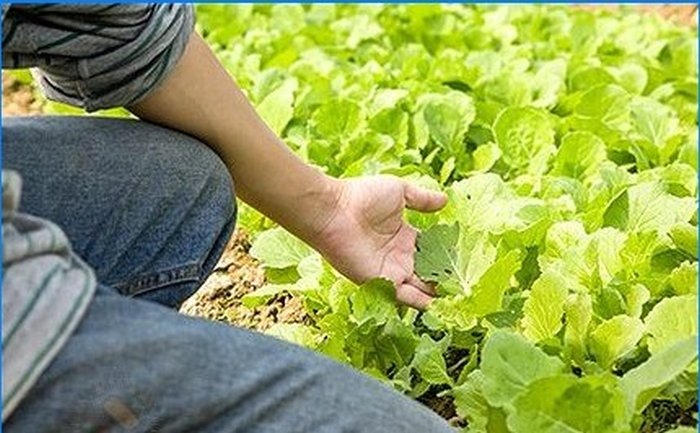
(681,14)
(18,99)
(664,415)
(684,14)
(237,274)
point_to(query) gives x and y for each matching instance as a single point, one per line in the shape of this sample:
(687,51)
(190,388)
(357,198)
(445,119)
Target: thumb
(422,199)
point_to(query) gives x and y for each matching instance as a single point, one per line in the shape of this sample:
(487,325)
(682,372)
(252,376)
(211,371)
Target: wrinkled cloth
(96,56)
(45,291)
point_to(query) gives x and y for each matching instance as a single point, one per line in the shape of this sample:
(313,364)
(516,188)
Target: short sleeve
(97,56)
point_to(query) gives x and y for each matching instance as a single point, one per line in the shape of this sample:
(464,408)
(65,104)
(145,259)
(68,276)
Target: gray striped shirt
(92,56)
(96,56)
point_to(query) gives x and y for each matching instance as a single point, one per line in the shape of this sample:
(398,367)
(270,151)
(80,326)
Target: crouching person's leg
(148,208)
(134,366)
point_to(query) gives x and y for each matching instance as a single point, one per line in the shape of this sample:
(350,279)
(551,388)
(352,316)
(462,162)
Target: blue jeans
(151,211)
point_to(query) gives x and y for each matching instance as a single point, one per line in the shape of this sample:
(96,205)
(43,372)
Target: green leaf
(653,120)
(679,56)
(472,406)
(447,169)
(607,103)
(587,78)
(223,24)
(680,179)
(430,363)
(437,256)
(579,313)
(294,333)
(651,208)
(614,338)
(643,383)
(488,293)
(609,303)
(563,239)
(565,245)
(548,83)
(485,156)
(374,300)
(448,118)
(636,296)
(688,153)
(397,342)
(523,134)
(387,99)
(684,279)
(484,203)
(263,294)
(671,320)
(617,213)
(685,236)
(277,108)
(337,119)
(456,267)
(287,18)
(309,269)
(451,312)
(544,307)
(470,198)
(277,248)
(657,124)
(633,78)
(603,254)
(580,155)
(567,404)
(394,123)
(510,364)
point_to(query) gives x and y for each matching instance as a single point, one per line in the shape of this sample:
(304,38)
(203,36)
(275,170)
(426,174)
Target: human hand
(356,224)
(366,236)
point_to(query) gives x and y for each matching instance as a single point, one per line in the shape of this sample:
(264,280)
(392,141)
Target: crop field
(566,259)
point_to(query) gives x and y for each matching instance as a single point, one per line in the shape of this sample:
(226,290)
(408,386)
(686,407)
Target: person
(119,221)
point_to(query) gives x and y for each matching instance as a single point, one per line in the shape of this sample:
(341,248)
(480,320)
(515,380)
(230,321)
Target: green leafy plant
(565,261)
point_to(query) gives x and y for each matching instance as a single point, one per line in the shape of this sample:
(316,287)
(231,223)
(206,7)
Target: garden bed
(450,386)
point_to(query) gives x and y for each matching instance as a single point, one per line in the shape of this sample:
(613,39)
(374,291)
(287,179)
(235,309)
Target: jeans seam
(191,272)
(181,274)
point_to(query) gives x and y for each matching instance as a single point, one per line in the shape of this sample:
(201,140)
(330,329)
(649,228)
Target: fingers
(421,285)
(422,199)
(411,295)
(415,293)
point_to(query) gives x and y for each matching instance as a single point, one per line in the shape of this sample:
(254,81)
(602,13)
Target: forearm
(201,99)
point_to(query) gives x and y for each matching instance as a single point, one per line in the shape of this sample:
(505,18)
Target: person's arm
(357,225)
(146,57)
(200,98)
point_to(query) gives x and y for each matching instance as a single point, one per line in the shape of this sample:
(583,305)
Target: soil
(685,14)
(664,415)
(237,274)
(18,99)
(682,14)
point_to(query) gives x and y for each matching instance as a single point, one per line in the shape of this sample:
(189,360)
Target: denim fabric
(151,210)
(148,208)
